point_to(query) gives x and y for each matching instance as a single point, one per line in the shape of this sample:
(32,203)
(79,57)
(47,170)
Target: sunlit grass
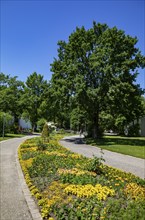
(133,146)
(9,136)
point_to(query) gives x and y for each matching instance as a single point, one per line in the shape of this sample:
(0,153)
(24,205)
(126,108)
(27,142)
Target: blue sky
(30,30)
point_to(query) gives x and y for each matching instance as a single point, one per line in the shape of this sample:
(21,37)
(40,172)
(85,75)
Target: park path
(16,202)
(123,162)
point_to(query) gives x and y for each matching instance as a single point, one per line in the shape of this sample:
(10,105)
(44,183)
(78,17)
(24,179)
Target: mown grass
(133,146)
(9,136)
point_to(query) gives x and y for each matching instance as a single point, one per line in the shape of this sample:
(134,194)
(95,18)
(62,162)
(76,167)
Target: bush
(41,146)
(95,164)
(45,133)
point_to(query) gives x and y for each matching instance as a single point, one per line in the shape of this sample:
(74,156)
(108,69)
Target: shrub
(45,133)
(95,164)
(41,146)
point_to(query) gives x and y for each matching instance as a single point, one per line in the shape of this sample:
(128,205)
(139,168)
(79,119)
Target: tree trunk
(16,124)
(16,119)
(34,126)
(96,128)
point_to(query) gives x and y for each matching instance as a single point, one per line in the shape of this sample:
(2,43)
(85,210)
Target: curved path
(16,202)
(123,162)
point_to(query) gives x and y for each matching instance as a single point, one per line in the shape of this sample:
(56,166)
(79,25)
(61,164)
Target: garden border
(28,197)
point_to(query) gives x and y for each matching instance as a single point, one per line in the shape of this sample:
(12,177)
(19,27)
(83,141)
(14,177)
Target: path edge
(34,211)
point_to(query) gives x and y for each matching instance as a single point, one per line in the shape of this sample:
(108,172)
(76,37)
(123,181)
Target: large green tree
(11,91)
(35,88)
(98,68)
(6,121)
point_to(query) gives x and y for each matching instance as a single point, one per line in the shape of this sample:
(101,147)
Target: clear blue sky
(30,30)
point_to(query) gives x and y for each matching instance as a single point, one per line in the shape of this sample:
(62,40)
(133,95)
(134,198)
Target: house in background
(142,126)
(26,125)
(140,129)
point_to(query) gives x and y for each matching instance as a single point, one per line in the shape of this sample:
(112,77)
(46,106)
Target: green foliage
(78,119)
(116,209)
(28,154)
(107,121)
(25,146)
(41,146)
(40,124)
(95,164)
(120,124)
(25,116)
(96,69)
(34,94)
(41,166)
(45,132)
(80,210)
(6,121)
(93,85)
(81,179)
(143,103)
(133,130)
(11,91)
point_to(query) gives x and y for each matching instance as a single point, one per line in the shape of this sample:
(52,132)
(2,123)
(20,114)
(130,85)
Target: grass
(133,146)
(9,136)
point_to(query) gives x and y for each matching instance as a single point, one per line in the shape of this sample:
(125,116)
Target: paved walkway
(123,162)
(16,202)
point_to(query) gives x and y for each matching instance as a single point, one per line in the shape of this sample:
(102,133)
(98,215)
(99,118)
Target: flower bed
(69,186)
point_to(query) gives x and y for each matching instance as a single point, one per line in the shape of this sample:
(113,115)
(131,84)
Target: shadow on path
(75,140)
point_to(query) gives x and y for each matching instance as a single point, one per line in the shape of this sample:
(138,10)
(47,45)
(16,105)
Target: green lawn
(8,136)
(133,146)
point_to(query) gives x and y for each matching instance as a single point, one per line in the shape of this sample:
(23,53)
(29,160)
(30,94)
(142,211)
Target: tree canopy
(93,85)
(11,91)
(98,68)
(35,88)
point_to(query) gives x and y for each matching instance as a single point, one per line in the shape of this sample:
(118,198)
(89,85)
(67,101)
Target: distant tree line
(93,85)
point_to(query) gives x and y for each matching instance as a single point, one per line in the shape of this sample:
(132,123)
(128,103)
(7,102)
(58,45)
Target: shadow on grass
(116,141)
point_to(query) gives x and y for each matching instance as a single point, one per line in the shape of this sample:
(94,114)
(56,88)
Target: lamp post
(3,125)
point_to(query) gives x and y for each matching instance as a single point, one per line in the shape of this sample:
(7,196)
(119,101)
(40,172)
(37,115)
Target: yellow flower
(116,184)
(135,191)
(88,190)
(75,171)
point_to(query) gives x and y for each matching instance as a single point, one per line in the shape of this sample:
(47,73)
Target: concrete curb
(28,197)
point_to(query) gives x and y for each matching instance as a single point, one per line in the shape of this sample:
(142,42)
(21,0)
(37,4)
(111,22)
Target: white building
(142,126)
(25,124)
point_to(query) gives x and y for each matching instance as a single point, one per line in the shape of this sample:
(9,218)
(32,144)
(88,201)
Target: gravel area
(123,162)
